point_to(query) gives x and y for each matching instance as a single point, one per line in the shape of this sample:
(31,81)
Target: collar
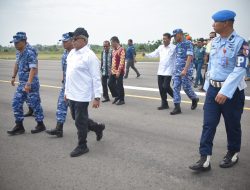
(83,49)
(117,48)
(230,38)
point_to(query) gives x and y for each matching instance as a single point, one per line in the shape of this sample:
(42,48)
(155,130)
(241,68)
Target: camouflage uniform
(25,61)
(183,49)
(62,107)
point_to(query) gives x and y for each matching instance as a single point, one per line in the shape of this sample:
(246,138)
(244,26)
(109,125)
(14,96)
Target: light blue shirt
(223,64)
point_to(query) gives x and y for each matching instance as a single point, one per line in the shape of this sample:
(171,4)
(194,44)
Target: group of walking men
(224,85)
(176,61)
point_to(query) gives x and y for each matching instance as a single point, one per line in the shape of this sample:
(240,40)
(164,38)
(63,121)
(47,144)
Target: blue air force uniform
(183,49)
(25,61)
(62,107)
(225,96)
(226,70)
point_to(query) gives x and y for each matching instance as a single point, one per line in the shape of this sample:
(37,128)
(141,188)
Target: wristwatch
(97,99)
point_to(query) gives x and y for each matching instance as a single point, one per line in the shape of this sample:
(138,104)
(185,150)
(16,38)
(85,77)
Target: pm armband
(242,61)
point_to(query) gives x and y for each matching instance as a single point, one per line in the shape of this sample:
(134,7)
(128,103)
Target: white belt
(216,84)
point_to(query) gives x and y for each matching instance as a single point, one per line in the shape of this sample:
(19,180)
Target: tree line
(140,47)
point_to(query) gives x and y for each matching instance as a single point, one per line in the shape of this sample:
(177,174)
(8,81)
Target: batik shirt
(106,62)
(118,61)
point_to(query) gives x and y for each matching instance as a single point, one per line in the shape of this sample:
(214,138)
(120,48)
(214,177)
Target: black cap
(80,31)
(200,40)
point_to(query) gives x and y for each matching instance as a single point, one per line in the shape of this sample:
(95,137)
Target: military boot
(18,129)
(29,113)
(58,131)
(177,109)
(202,165)
(194,103)
(39,128)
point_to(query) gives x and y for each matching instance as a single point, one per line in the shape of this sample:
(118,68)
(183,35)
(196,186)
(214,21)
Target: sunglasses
(77,38)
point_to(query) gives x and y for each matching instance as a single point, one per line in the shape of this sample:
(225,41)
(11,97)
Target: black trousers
(105,87)
(116,87)
(79,113)
(164,88)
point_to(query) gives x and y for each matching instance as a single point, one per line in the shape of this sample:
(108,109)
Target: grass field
(57,56)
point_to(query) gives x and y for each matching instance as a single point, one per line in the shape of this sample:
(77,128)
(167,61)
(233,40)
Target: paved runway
(142,148)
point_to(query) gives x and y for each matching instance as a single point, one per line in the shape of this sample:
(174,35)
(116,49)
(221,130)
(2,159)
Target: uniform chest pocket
(23,66)
(181,52)
(230,53)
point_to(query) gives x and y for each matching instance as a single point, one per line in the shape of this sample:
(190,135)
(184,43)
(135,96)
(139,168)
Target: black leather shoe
(78,151)
(138,75)
(29,113)
(106,100)
(115,100)
(18,129)
(99,133)
(58,131)
(194,103)
(39,128)
(120,102)
(163,107)
(202,165)
(176,110)
(229,160)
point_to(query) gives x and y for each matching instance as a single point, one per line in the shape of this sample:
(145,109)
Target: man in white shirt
(83,83)
(166,52)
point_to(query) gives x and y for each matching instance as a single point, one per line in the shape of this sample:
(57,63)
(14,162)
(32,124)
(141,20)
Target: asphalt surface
(142,148)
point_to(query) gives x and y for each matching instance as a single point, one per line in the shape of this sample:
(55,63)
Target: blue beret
(18,37)
(177,31)
(223,15)
(66,37)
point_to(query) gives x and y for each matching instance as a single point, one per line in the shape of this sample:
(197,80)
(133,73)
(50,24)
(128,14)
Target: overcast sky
(45,20)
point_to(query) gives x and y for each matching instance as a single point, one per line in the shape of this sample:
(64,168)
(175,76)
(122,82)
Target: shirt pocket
(231,58)
(230,54)
(82,63)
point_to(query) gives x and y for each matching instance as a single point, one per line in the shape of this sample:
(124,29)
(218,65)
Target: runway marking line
(138,96)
